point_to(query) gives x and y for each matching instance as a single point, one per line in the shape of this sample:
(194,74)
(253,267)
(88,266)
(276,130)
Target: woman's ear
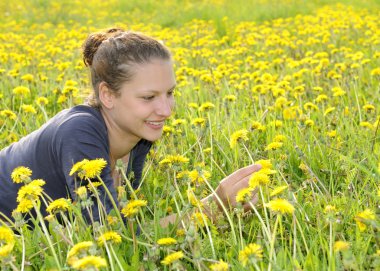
(106,96)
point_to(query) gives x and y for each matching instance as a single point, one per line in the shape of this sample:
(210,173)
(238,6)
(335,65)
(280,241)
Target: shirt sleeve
(85,137)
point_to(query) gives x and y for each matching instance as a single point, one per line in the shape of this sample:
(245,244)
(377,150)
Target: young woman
(133,82)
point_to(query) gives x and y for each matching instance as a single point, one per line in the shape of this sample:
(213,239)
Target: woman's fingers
(241,173)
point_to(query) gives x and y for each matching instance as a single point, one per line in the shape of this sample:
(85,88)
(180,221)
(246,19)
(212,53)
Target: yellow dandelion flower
(240,135)
(329,209)
(81,192)
(80,248)
(265,163)
(7,241)
(166,241)
(328,111)
(28,77)
(375,72)
(92,168)
(30,192)
(369,107)
(219,266)
(273,146)
(24,206)
(93,262)
(258,178)
(341,246)
(8,114)
(321,98)
(309,123)
(244,195)
(198,122)
(229,98)
(206,106)
(276,123)
(364,217)
(109,236)
(132,207)
(200,219)
(199,176)
(279,138)
(21,91)
(366,124)
(278,190)
(178,122)
(192,198)
(310,106)
(21,174)
(251,253)
(173,257)
(281,206)
(59,205)
(332,133)
(255,125)
(42,101)
(174,159)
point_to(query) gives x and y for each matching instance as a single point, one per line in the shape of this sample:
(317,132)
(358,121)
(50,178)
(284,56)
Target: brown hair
(111,53)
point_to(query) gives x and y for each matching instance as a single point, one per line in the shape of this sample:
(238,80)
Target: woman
(133,82)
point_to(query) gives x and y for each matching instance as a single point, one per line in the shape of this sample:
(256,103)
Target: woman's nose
(165,107)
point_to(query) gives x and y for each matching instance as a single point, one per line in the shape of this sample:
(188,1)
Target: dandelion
(58,205)
(244,195)
(7,241)
(200,219)
(341,246)
(198,122)
(21,91)
(219,266)
(258,178)
(24,206)
(369,107)
(80,248)
(89,168)
(28,77)
(321,98)
(273,146)
(8,114)
(173,257)
(166,241)
(281,206)
(42,101)
(278,190)
(366,124)
(199,177)
(93,262)
(229,98)
(178,122)
(364,217)
(27,108)
(29,191)
(310,106)
(255,125)
(81,192)
(251,253)
(329,209)
(279,138)
(309,123)
(328,111)
(132,207)
(21,175)
(375,72)
(174,159)
(206,106)
(240,135)
(110,236)
(331,134)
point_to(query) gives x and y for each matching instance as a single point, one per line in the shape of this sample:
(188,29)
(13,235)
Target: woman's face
(146,101)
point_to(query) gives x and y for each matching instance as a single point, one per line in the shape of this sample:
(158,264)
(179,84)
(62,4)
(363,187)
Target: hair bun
(93,41)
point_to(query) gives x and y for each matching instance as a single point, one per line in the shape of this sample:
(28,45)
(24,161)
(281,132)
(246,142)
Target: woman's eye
(170,93)
(148,98)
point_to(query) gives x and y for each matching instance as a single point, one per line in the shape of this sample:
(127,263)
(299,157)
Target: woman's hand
(228,188)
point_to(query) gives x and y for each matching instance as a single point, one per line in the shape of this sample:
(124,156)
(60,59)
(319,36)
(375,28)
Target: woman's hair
(111,54)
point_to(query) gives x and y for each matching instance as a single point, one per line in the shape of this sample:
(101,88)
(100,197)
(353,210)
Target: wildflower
(280,205)
(24,206)
(27,108)
(219,266)
(177,122)
(276,123)
(174,159)
(80,248)
(58,205)
(21,174)
(369,107)
(363,217)
(229,98)
(341,246)
(200,219)
(198,122)
(279,138)
(265,164)
(310,106)
(366,124)
(244,195)
(309,123)
(278,190)
(375,72)
(89,168)
(7,241)
(93,262)
(251,253)
(173,257)
(21,91)
(329,209)
(255,125)
(29,191)
(331,133)
(258,178)
(166,241)
(112,220)
(321,98)
(27,77)
(8,114)
(81,192)
(180,232)
(273,146)
(110,236)
(192,198)
(132,207)
(193,105)
(199,177)
(240,135)
(167,130)
(206,106)
(42,101)
(328,110)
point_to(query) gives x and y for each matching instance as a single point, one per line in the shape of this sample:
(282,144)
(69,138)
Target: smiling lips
(155,124)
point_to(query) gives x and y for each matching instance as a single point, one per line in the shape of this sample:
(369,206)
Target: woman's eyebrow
(157,91)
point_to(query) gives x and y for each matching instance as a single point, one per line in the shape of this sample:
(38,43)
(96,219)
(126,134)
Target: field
(295,88)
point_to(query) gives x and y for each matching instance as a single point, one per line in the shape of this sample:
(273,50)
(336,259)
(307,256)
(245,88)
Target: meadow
(293,87)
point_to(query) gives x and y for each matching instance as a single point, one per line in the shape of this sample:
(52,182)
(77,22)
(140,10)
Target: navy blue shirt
(51,151)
